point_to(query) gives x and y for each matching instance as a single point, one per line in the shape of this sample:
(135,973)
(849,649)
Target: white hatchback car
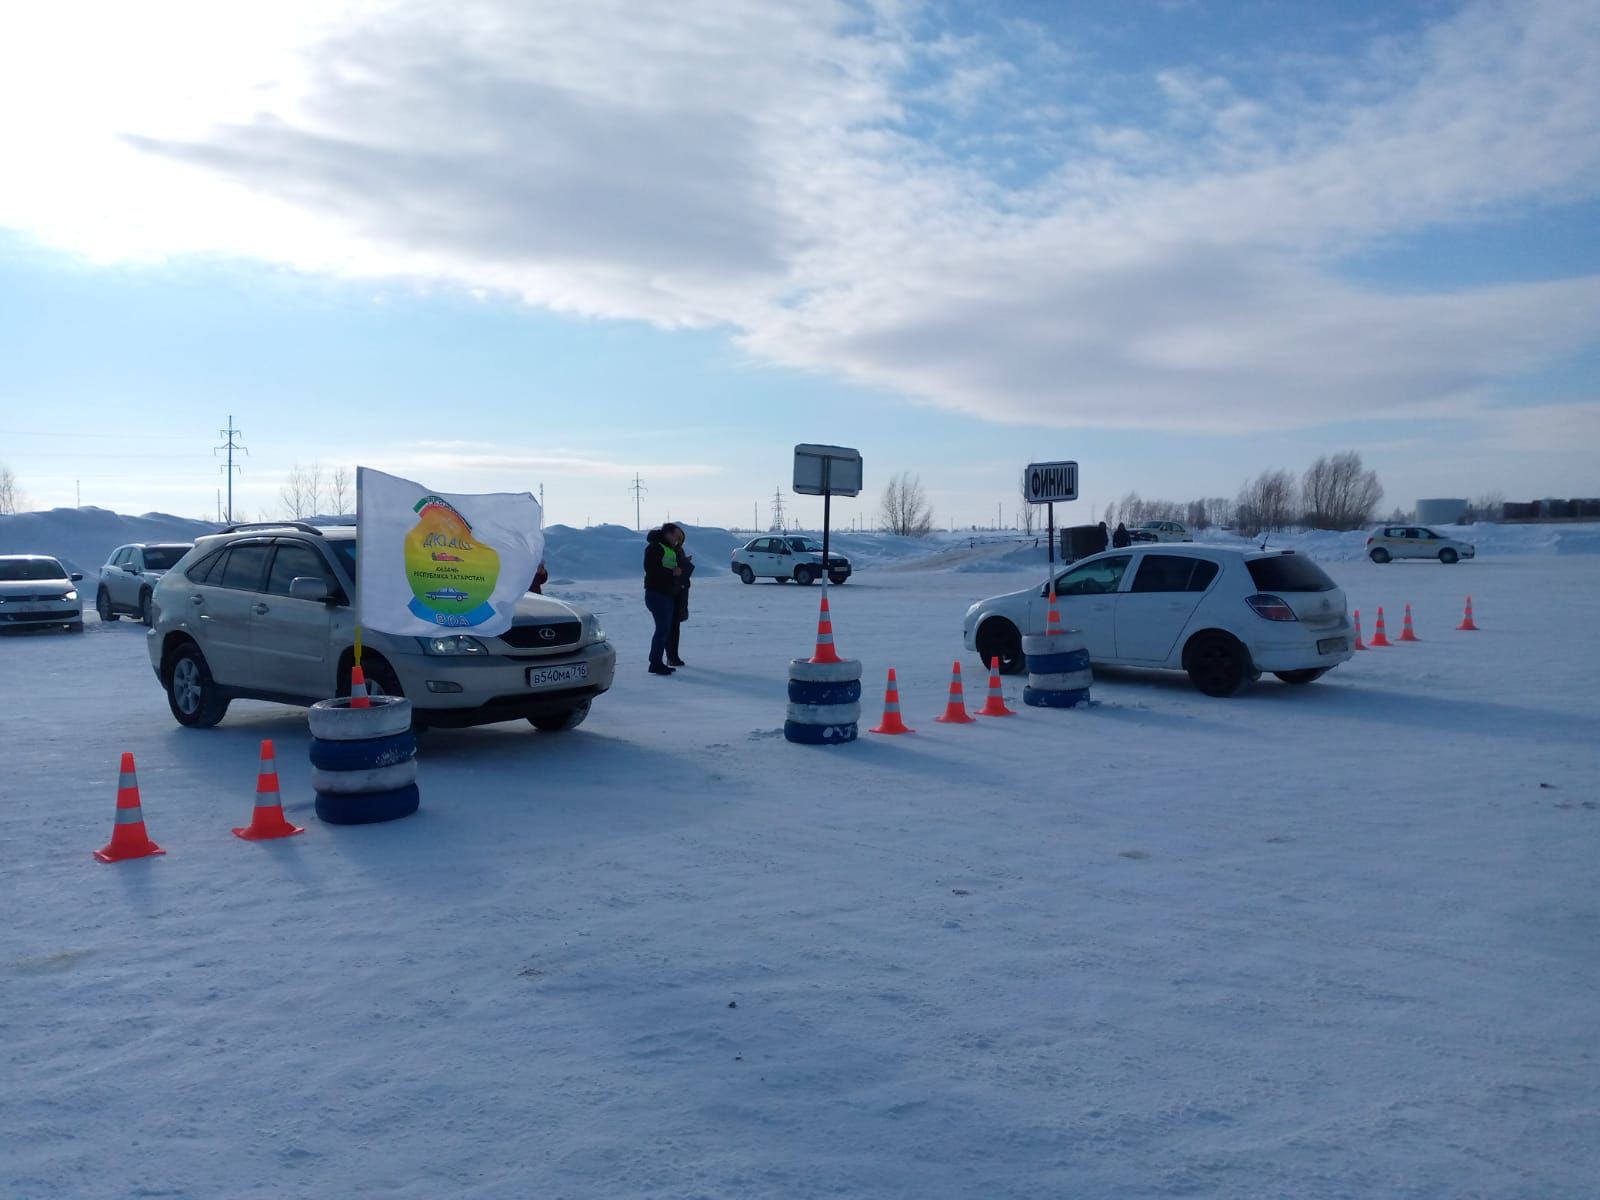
(1417,541)
(1224,615)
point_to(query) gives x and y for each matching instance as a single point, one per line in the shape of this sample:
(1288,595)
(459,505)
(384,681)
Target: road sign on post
(826,471)
(1046,483)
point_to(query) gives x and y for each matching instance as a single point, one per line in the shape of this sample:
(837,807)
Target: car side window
(245,568)
(1204,572)
(120,559)
(293,561)
(1164,573)
(201,571)
(1095,578)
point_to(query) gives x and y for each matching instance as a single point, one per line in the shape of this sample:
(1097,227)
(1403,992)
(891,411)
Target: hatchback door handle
(197,599)
(259,609)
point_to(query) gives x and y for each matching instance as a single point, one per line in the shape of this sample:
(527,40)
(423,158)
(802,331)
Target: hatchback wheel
(1218,665)
(1448,556)
(1309,675)
(1380,555)
(999,638)
(192,694)
(746,575)
(102,605)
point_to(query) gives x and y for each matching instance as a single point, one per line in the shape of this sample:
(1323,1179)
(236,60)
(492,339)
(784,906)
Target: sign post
(1046,483)
(826,471)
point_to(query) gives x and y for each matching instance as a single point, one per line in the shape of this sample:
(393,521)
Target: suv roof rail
(300,525)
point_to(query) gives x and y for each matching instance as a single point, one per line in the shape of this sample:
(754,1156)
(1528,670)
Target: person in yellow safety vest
(661,576)
(674,535)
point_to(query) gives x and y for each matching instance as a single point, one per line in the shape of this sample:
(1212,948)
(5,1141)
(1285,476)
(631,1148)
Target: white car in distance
(786,556)
(1223,615)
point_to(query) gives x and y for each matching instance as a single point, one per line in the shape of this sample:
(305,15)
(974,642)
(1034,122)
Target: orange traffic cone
(995,704)
(1052,620)
(1466,621)
(1407,634)
(955,710)
(128,836)
(267,820)
(1380,638)
(825,652)
(1360,645)
(891,710)
(358,688)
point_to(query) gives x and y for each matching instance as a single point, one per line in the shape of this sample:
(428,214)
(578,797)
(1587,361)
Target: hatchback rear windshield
(1289,573)
(30,570)
(163,558)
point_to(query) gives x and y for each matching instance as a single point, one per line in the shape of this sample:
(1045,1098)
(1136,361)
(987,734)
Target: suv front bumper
(466,690)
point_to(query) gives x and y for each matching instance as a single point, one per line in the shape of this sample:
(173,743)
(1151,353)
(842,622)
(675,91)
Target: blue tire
(803,692)
(1058,664)
(1043,699)
(364,755)
(819,735)
(339,808)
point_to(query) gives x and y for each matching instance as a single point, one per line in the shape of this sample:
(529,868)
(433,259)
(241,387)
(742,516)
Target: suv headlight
(592,632)
(453,643)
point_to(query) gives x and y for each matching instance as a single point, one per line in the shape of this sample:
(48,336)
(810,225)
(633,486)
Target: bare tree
(1196,517)
(905,509)
(299,492)
(11,497)
(1029,517)
(1266,503)
(341,491)
(1339,493)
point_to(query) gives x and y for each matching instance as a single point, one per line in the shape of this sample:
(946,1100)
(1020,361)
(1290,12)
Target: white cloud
(748,165)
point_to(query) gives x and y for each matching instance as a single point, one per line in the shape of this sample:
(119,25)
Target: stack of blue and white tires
(363,760)
(824,702)
(1058,669)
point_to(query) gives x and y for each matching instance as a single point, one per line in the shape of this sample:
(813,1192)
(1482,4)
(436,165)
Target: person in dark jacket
(661,575)
(540,578)
(1102,540)
(1120,537)
(674,534)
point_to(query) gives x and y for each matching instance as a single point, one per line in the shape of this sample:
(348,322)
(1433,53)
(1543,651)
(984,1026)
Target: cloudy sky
(495,244)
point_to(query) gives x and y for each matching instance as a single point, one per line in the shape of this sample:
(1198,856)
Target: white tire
(806,671)
(1044,643)
(1066,681)
(374,779)
(824,714)
(336,721)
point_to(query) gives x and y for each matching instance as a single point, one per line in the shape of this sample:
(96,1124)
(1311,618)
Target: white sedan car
(1161,531)
(1223,615)
(787,556)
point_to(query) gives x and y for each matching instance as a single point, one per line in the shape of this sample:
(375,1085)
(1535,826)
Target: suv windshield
(20,570)
(163,558)
(1289,573)
(344,549)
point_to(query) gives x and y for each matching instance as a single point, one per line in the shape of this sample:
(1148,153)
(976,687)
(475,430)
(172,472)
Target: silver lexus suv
(263,612)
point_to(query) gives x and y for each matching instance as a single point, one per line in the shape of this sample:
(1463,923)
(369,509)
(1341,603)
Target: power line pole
(229,445)
(777,510)
(637,489)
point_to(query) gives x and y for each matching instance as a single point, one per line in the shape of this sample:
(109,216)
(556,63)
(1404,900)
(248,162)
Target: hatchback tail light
(1369,541)
(1273,608)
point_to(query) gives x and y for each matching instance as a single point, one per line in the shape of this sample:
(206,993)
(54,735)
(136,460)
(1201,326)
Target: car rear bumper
(1312,649)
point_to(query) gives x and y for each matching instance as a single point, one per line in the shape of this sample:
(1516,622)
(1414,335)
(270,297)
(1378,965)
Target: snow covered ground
(1330,941)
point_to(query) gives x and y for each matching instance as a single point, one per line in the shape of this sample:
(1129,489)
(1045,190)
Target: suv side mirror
(308,587)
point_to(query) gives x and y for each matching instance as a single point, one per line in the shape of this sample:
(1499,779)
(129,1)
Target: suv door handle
(259,609)
(197,598)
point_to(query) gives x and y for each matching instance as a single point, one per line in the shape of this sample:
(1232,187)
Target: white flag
(429,562)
